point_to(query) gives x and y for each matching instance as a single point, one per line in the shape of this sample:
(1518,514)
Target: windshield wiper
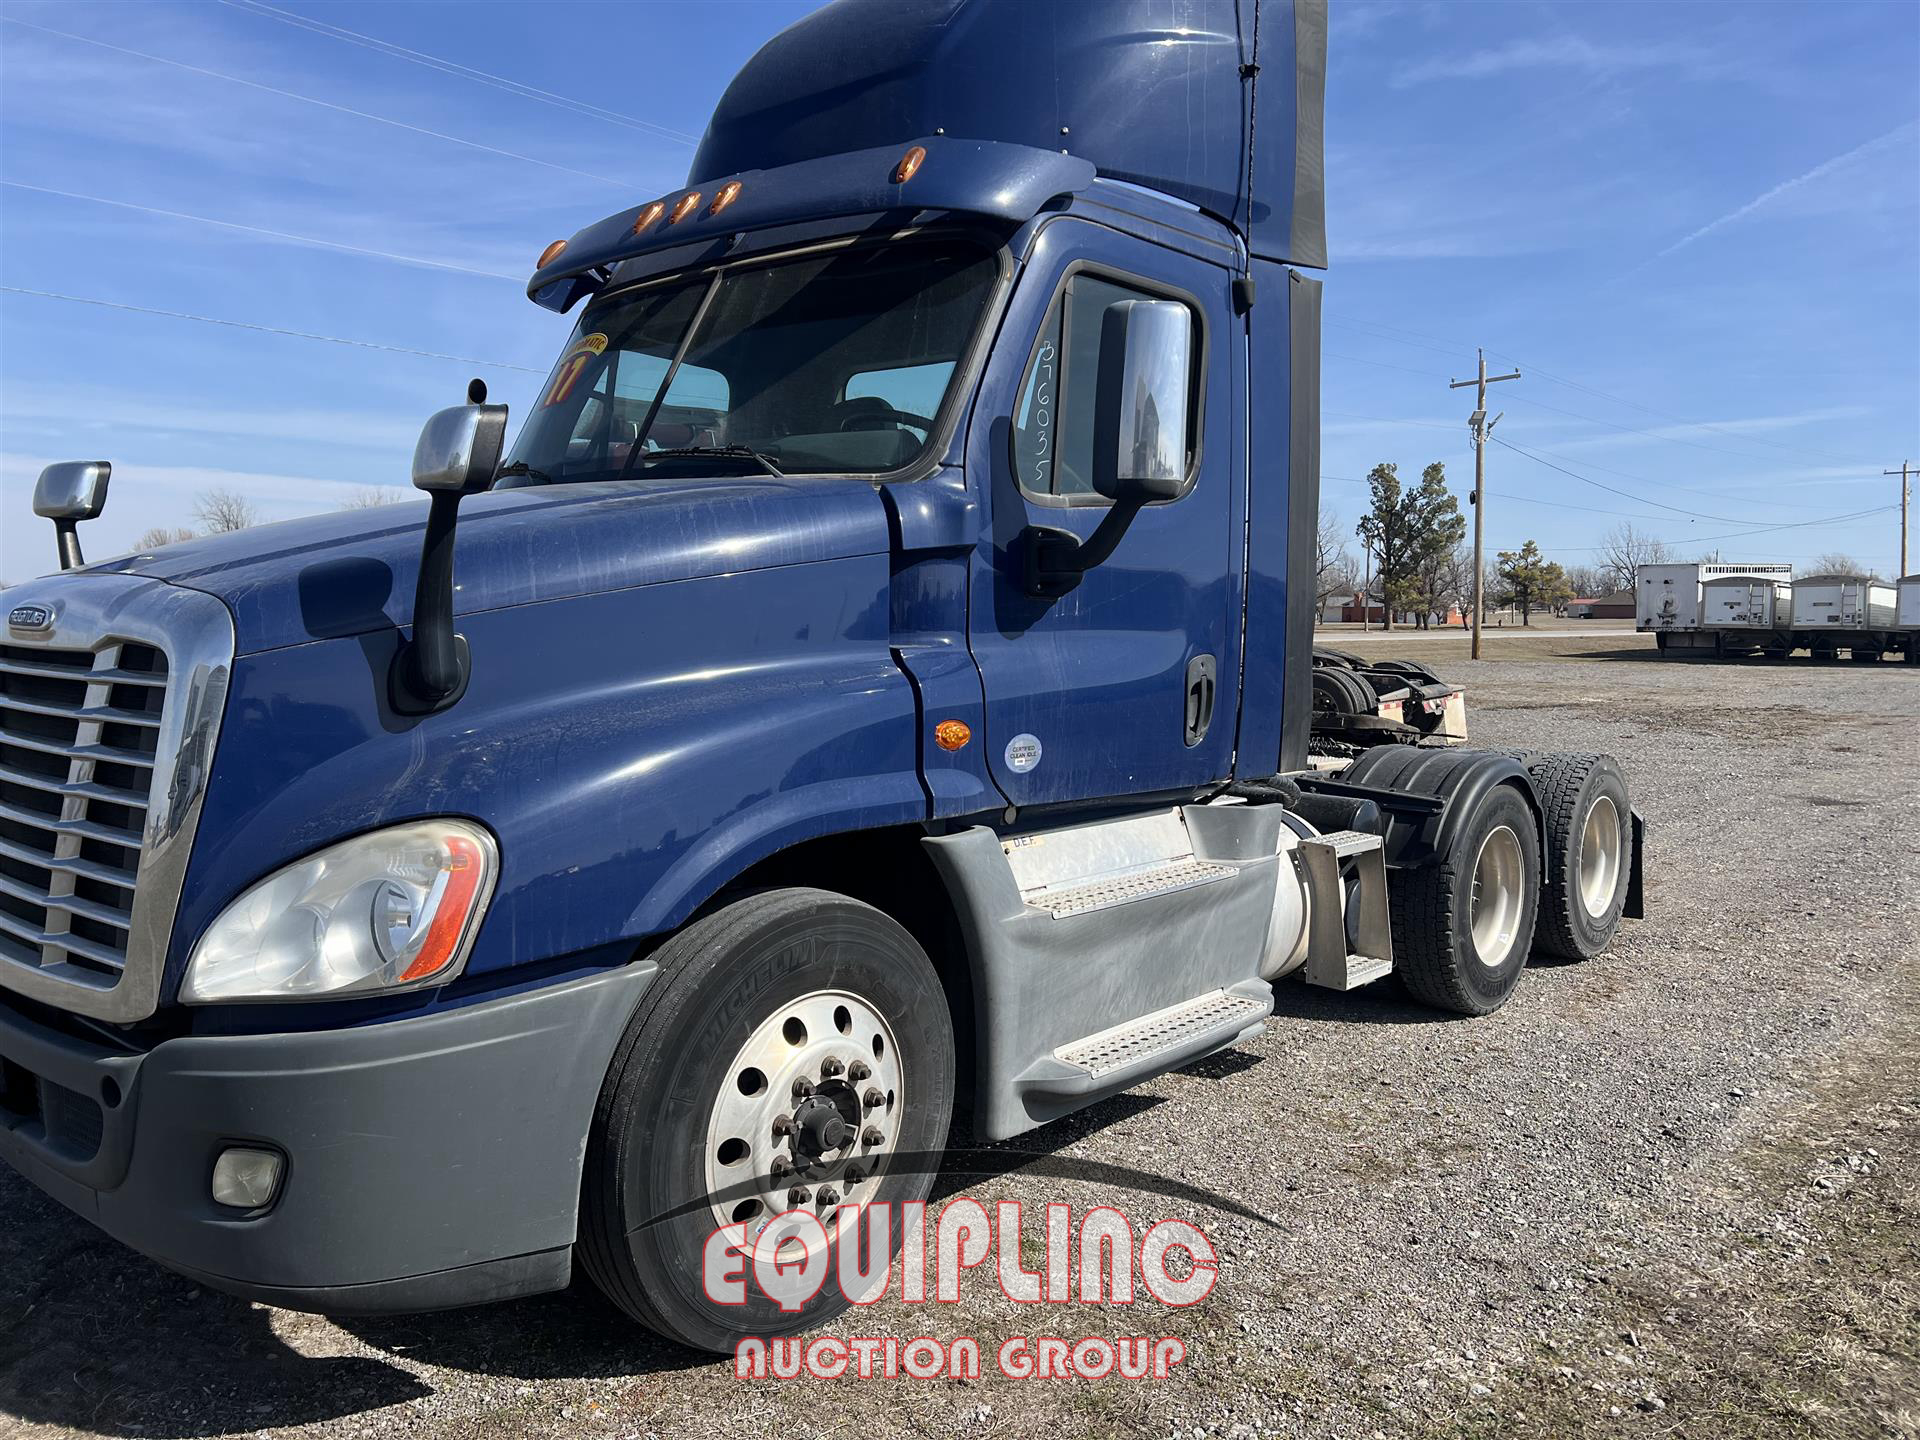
(521,467)
(725,452)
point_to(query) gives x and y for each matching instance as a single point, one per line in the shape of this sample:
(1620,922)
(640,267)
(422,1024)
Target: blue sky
(1695,229)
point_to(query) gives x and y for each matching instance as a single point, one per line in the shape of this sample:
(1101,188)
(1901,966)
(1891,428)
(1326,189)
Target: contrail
(1826,168)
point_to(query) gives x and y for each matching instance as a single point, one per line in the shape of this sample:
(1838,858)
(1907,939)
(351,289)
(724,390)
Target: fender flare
(1426,795)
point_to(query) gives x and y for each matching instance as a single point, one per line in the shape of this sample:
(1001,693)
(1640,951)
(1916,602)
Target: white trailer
(1832,612)
(1746,603)
(1668,598)
(1906,616)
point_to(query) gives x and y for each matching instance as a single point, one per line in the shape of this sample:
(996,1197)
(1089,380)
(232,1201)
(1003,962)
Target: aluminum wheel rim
(1499,878)
(826,1056)
(1599,857)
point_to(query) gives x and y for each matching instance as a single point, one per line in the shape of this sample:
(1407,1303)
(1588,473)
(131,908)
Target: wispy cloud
(1786,187)
(1563,52)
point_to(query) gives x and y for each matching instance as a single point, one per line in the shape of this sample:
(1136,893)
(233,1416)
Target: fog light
(246,1179)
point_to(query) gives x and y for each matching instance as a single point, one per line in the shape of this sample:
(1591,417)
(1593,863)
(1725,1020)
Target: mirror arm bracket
(1056,559)
(430,671)
(66,536)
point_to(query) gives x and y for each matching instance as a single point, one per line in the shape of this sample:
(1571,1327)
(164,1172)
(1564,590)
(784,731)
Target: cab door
(1126,683)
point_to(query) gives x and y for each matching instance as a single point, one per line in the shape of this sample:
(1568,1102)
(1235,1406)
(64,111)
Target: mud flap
(1635,908)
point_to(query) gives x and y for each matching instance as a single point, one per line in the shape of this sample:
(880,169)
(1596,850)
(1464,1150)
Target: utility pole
(1481,427)
(1366,583)
(1902,473)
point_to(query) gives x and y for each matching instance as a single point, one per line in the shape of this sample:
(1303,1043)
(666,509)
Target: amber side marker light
(910,164)
(552,253)
(728,193)
(951,734)
(647,216)
(684,208)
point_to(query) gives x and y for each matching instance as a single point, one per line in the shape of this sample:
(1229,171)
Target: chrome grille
(111,692)
(78,733)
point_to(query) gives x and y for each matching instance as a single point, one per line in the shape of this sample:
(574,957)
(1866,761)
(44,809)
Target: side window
(907,390)
(1053,421)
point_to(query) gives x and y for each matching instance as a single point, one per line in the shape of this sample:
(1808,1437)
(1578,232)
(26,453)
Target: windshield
(825,364)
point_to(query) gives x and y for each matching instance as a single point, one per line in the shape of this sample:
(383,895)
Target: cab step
(1161,879)
(1330,963)
(1153,1043)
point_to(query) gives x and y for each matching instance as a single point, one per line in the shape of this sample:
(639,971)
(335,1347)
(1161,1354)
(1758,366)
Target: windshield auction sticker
(572,365)
(1096,1257)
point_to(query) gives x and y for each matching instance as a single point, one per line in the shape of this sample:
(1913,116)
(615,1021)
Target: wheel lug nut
(797,1195)
(858,1071)
(874,1096)
(872,1135)
(829,1068)
(855,1174)
(782,1125)
(802,1088)
(829,1195)
(779,1165)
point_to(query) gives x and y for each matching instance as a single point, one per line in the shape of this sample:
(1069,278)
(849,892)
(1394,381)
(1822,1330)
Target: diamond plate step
(1122,889)
(1162,1032)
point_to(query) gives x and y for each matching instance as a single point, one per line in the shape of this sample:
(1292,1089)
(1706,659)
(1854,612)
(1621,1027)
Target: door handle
(1201,685)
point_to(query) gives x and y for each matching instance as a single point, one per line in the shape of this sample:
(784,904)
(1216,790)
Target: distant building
(1371,609)
(1617,606)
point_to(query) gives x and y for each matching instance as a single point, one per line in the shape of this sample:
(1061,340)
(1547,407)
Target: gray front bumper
(431,1162)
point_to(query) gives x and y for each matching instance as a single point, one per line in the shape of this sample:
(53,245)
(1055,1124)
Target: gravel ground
(1670,1191)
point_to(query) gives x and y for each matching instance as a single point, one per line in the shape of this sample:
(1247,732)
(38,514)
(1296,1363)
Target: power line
(323,104)
(266,329)
(465,72)
(1628,494)
(259,230)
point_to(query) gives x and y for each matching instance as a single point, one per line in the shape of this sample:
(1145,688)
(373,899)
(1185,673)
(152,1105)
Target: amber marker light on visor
(951,734)
(684,208)
(647,216)
(909,165)
(552,253)
(728,193)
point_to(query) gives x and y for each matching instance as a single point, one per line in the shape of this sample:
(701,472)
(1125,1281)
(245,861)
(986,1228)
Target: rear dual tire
(1588,823)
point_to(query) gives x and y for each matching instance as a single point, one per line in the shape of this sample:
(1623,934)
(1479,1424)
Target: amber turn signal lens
(684,208)
(552,253)
(909,165)
(951,734)
(647,216)
(725,198)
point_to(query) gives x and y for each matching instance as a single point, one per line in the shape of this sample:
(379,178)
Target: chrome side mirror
(68,493)
(460,449)
(1141,401)
(458,452)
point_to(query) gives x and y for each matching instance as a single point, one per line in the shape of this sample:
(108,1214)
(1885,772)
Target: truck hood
(354,571)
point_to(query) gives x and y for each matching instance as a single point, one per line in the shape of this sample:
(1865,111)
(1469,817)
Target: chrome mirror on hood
(67,493)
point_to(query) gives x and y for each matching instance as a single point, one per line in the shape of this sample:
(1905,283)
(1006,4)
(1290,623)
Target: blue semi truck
(869,702)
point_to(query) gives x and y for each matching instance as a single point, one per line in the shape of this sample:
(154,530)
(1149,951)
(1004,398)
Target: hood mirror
(459,451)
(68,493)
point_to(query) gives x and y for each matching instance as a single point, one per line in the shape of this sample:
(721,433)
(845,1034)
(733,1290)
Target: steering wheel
(885,414)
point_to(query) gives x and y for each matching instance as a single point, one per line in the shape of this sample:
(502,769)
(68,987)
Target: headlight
(390,910)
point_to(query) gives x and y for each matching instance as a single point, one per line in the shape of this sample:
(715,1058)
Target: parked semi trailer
(875,685)
(1748,613)
(1843,612)
(1906,617)
(1670,599)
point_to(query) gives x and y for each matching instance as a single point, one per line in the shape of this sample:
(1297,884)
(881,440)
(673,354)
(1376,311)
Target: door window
(1053,421)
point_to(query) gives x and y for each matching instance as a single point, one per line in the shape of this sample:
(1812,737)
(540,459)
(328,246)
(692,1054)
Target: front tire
(772,990)
(1462,927)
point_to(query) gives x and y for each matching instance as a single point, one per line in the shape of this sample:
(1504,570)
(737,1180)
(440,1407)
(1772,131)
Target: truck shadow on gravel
(98,1340)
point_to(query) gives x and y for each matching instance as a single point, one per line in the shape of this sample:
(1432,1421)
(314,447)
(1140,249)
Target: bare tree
(1838,562)
(1333,562)
(1589,582)
(1623,550)
(220,511)
(160,535)
(372,497)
